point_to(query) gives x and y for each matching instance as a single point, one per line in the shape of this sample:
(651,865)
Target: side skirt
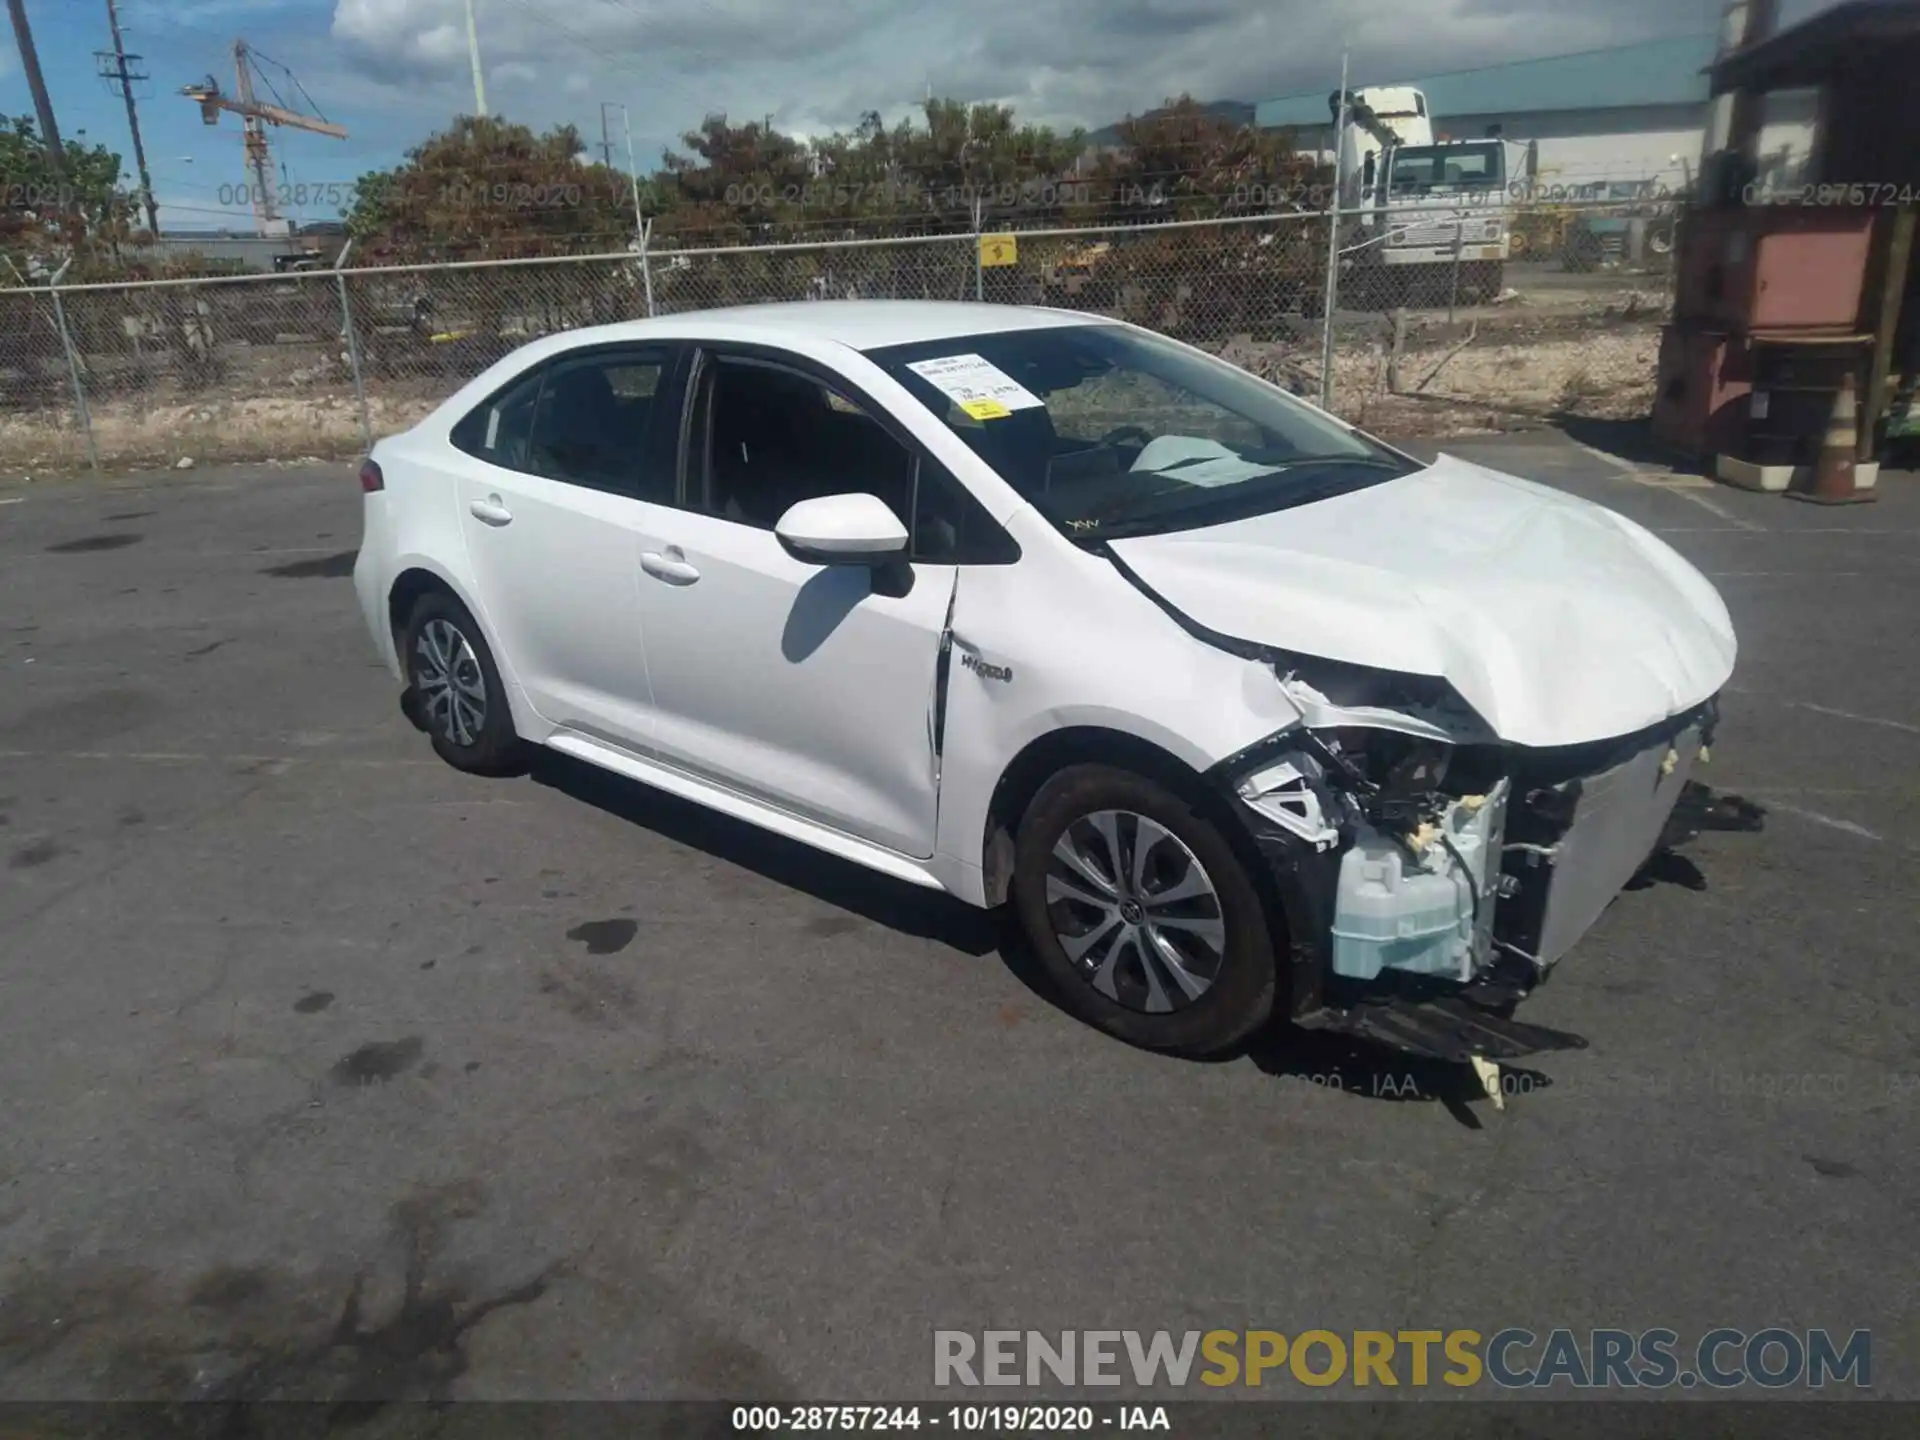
(714,797)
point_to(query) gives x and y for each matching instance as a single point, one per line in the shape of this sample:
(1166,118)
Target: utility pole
(633,175)
(122,71)
(606,138)
(473,54)
(30,63)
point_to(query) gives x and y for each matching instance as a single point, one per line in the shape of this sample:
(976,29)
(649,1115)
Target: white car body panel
(794,682)
(1556,619)
(567,553)
(1130,669)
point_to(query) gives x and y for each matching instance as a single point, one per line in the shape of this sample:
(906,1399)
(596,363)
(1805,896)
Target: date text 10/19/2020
(961,1419)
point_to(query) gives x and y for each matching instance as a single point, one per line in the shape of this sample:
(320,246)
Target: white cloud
(817,67)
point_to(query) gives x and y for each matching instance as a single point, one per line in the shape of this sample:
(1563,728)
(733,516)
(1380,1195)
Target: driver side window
(775,437)
(766,437)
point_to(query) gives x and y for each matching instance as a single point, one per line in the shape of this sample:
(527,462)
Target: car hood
(1557,620)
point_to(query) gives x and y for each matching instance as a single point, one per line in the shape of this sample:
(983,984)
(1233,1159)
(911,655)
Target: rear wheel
(455,689)
(1142,914)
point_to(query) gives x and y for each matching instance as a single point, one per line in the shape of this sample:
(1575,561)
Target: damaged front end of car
(1431,875)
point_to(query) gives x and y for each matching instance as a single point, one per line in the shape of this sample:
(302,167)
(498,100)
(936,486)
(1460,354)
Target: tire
(1082,812)
(440,630)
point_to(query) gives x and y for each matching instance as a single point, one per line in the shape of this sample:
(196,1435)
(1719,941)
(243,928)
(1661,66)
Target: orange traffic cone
(1833,470)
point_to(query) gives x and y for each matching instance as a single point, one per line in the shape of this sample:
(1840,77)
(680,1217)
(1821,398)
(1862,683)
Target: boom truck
(1426,206)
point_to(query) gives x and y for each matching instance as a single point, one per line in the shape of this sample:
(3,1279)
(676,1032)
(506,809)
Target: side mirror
(843,530)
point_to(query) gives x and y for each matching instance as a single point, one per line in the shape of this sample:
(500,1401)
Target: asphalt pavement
(327,1070)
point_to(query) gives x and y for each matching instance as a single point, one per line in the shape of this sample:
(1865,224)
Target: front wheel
(454,689)
(1142,914)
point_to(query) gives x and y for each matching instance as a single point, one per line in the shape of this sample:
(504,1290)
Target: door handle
(491,511)
(669,567)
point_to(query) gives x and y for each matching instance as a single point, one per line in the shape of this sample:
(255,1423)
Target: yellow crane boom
(257,115)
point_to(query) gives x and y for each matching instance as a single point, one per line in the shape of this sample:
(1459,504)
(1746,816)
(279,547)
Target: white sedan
(1246,713)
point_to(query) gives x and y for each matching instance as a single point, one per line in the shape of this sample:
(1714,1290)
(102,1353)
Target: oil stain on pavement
(378,1062)
(605,937)
(88,544)
(36,853)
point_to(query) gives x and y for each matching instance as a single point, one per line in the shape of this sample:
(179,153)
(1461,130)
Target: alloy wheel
(450,684)
(1135,912)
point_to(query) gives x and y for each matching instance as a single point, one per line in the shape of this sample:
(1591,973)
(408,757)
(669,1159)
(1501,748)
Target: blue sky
(393,71)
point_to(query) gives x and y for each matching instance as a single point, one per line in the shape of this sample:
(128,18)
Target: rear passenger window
(593,419)
(499,430)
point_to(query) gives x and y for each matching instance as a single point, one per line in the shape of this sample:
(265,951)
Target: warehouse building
(1625,115)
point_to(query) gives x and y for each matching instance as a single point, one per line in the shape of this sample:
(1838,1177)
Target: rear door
(564,460)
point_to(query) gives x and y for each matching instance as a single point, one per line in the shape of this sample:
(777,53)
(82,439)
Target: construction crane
(257,115)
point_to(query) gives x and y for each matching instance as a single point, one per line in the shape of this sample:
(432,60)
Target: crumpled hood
(1559,621)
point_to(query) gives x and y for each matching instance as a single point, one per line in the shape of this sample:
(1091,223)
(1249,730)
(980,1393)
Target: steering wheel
(1126,432)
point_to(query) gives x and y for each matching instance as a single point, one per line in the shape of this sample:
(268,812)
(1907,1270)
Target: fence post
(1453,295)
(353,343)
(979,262)
(1332,296)
(80,411)
(646,263)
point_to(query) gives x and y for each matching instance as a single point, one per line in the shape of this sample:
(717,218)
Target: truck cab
(1449,204)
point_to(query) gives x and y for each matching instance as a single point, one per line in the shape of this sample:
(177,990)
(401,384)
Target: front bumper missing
(1458,1027)
(1581,824)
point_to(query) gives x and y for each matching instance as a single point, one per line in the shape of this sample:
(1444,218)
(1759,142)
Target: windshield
(1422,169)
(1111,431)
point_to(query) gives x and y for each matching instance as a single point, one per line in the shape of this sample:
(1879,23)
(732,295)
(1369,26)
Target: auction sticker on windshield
(980,389)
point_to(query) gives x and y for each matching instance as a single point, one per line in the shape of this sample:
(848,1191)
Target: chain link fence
(1445,320)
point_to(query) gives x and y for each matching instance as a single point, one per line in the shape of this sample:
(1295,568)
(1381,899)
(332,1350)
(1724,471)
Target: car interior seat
(583,432)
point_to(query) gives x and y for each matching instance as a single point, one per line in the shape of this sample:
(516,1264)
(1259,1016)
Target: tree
(750,181)
(1185,162)
(41,214)
(487,188)
(734,178)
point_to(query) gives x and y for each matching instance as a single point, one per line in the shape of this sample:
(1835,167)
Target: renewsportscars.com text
(1512,1359)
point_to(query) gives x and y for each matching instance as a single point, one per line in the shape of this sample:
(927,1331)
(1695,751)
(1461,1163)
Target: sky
(394,71)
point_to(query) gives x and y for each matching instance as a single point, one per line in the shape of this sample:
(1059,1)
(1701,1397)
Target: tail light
(371,479)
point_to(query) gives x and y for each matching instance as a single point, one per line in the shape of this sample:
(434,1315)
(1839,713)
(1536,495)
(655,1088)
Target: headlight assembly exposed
(1291,790)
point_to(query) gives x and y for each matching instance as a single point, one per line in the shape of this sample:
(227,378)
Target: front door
(807,687)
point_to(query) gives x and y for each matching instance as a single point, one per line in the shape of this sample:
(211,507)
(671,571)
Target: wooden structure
(1780,298)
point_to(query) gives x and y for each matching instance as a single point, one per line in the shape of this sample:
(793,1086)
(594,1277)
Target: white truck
(1436,216)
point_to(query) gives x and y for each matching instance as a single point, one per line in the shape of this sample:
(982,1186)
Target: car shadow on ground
(908,909)
(1337,1063)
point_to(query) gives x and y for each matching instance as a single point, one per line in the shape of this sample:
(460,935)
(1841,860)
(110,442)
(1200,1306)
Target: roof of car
(863,324)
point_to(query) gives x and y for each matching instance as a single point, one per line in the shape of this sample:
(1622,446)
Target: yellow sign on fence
(999,250)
